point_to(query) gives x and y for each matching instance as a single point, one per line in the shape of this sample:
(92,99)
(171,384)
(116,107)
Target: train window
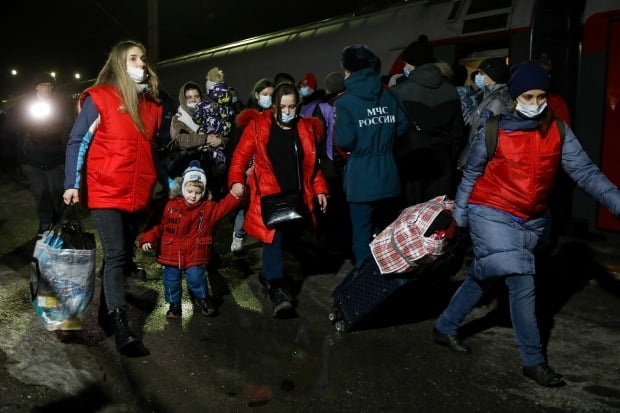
(483,24)
(454,11)
(481,6)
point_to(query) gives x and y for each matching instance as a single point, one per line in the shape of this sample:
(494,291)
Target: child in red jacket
(184,239)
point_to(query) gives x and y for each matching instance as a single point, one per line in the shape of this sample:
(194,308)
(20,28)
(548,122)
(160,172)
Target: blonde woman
(110,166)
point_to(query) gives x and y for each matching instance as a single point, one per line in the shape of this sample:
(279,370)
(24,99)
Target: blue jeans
(511,239)
(238,225)
(273,258)
(117,231)
(196,283)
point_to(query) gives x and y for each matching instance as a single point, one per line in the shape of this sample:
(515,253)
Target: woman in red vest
(503,198)
(110,167)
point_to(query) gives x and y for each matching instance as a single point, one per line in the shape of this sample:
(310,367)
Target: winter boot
(103,316)
(174,311)
(206,306)
(277,294)
(127,343)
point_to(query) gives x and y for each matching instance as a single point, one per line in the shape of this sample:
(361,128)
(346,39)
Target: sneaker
(206,306)
(544,375)
(174,311)
(237,244)
(281,301)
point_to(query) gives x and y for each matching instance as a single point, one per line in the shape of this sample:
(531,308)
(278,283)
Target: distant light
(14,72)
(77,76)
(40,110)
(53,74)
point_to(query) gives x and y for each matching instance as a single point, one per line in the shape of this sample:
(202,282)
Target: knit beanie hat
(358,57)
(495,68)
(334,82)
(418,52)
(193,173)
(308,80)
(527,76)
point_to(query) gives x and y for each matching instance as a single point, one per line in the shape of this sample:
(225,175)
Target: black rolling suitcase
(365,287)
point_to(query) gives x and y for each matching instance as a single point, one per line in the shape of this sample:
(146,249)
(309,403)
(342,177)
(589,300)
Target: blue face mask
(234,99)
(286,118)
(264,101)
(479,81)
(304,91)
(406,72)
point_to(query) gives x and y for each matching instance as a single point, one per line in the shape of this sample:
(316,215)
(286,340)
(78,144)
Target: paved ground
(244,359)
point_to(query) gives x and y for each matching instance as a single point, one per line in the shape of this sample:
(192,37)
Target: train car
(579,37)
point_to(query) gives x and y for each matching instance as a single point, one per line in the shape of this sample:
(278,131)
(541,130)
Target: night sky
(69,36)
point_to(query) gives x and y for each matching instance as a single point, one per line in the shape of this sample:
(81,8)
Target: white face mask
(264,101)
(287,117)
(531,111)
(192,105)
(136,74)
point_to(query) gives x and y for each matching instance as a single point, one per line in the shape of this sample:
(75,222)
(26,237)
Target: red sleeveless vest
(519,176)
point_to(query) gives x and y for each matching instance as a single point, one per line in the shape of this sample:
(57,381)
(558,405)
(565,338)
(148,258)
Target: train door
(610,149)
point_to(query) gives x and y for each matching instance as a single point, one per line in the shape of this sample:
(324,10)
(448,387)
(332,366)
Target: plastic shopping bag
(62,277)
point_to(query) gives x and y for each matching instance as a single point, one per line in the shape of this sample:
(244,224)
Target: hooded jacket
(434,105)
(184,235)
(262,180)
(180,132)
(368,119)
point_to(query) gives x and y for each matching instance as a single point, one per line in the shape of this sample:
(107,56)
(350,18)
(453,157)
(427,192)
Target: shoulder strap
(490,135)
(561,129)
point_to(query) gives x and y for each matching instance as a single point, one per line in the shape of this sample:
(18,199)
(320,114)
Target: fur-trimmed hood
(247,115)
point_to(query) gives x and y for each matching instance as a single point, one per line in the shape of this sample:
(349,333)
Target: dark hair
(258,86)
(283,78)
(192,86)
(281,90)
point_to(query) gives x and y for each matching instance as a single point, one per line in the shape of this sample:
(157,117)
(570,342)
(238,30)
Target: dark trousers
(117,231)
(47,186)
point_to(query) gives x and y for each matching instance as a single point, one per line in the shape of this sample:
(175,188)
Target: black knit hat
(43,77)
(418,52)
(357,57)
(527,76)
(495,68)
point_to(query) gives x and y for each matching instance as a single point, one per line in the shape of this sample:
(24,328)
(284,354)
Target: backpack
(490,134)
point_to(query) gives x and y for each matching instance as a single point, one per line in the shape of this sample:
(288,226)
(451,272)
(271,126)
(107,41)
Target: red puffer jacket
(184,235)
(262,181)
(120,170)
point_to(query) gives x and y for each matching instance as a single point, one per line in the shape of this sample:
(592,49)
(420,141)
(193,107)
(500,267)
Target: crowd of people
(216,156)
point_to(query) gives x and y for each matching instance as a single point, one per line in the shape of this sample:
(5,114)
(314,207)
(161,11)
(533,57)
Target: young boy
(184,239)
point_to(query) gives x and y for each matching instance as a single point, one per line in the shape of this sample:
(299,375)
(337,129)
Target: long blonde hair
(114,72)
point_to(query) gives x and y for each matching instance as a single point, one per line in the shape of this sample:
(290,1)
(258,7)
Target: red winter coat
(262,181)
(184,235)
(120,170)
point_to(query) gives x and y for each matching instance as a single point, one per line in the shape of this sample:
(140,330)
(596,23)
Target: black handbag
(283,208)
